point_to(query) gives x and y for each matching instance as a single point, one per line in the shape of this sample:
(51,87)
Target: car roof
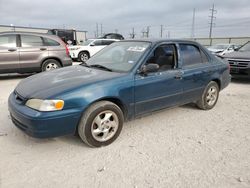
(105,39)
(27,33)
(156,41)
(33,33)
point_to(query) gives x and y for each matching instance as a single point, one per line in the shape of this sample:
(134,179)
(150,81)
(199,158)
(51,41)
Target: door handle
(42,49)
(178,75)
(12,50)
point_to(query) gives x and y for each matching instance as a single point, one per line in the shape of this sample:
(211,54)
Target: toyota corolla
(123,81)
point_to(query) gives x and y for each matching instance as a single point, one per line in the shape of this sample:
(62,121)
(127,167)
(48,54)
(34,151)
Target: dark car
(22,52)
(112,36)
(239,61)
(123,81)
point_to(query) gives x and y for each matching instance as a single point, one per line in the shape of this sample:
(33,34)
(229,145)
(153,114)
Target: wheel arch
(86,51)
(116,101)
(54,58)
(218,82)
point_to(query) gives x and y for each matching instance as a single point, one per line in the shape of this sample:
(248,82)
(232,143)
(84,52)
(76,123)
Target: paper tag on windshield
(136,49)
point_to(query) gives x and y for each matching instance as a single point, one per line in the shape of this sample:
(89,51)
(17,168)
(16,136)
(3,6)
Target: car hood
(56,82)
(238,55)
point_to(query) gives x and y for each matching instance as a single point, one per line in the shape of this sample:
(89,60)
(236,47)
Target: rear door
(98,45)
(196,70)
(9,55)
(33,50)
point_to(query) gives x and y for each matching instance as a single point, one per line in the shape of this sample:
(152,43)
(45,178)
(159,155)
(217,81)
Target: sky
(175,16)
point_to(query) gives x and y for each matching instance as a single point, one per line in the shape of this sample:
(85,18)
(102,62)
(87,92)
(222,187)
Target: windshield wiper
(100,67)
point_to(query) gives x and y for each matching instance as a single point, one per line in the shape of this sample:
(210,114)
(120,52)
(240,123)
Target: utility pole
(193,23)
(161,33)
(101,29)
(213,12)
(147,32)
(97,32)
(132,35)
(116,30)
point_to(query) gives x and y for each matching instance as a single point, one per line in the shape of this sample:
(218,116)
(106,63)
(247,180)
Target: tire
(50,64)
(101,124)
(83,56)
(209,97)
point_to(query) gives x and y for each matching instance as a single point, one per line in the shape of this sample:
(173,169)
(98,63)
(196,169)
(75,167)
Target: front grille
(238,63)
(18,97)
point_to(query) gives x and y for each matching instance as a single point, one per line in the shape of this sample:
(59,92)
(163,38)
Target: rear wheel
(209,97)
(101,124)
(50,64)
(83,56)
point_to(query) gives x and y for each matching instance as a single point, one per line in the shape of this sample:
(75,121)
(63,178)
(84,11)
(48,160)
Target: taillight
(229,67)
(67,50)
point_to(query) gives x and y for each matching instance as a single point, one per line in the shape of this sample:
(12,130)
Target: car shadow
(14,76)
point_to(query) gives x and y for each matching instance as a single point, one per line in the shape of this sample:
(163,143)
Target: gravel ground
(179,147)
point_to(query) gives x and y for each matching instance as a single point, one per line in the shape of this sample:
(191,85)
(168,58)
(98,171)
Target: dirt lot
(180,147)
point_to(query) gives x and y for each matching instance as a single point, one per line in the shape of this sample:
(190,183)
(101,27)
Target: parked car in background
(22,52)
(88,48)
(67,35)
(112,36)
(239,61)
(123,81)
(222,49)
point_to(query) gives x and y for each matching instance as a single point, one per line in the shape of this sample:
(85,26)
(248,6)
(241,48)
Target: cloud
(232,18)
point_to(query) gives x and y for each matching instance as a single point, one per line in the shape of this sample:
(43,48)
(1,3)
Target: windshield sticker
(136,49)
(130,62)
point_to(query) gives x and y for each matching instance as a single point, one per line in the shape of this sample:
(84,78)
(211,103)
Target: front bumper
(241,68)
(43,124)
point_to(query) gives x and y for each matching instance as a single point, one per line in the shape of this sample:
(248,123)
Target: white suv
(88,48)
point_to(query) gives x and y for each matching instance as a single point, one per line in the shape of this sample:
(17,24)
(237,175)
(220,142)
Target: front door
(160,89)
(9,55)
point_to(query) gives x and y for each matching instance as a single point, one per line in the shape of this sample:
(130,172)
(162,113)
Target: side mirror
(92,44)
(149,68)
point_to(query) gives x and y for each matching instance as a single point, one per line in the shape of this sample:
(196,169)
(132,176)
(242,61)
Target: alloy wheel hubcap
(51,66)
(104,126)
(84,57)
(212,95)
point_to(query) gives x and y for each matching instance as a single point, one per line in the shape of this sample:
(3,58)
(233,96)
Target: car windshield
(219,46)
(246,47)
(87,42)
(119,56)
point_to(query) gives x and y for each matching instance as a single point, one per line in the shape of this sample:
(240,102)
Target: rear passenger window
(8,41)
(31,41)
(204,57)
(50,42)
(191,55)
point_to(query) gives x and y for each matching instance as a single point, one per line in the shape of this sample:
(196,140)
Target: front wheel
(101,124)
(83,56)
(209,97)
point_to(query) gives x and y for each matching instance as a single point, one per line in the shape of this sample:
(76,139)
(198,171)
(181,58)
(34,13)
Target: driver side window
(164,56)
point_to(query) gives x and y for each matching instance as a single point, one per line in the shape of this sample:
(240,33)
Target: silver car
(32,52)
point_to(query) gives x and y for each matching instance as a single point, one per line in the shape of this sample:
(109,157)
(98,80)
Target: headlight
(45,105)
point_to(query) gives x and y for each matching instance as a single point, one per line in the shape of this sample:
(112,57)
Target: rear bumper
(67,62)
(43,124)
